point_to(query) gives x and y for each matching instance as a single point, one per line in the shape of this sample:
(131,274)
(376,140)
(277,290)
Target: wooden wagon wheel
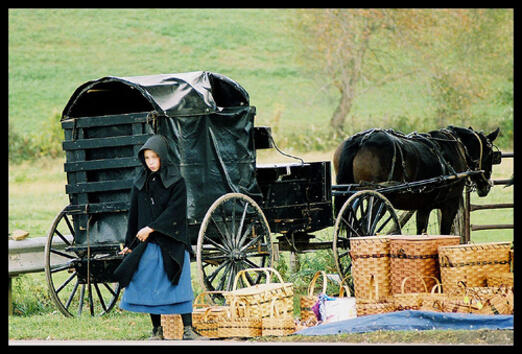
(366,213)
(234,235)
(69,292)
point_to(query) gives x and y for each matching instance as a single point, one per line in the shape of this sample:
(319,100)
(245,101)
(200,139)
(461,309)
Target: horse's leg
(422,220)
(448,215)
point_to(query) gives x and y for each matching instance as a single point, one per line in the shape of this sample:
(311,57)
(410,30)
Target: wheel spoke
(240,228)
(348,224)
(64,239)
(113,293)
(384,223)
(71,229)
(377,216)
(67,281)
(72,294)
(225,246)
(251,242)
(89,294)
(65,255)
(102,302)
(60,267)
(82,296)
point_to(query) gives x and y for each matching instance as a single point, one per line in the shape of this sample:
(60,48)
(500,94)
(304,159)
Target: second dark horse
(378,155)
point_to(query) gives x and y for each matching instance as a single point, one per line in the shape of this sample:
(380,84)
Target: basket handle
(233,313)
(311,286)
(438,287)
(274,313)
(199,300)
(372,280)
(242,273)
(344,288)
(418,277)
(445,261)
(205,314)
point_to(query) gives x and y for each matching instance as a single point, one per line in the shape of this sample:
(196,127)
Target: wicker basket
(499,279)
(236,323)
(370,258)
(491,300)
(279,323)
(501,303)
(416,256)
(472,263)
(256,299)
(309,300)
(412,300)
(172,326)
(373,304)
(205,316)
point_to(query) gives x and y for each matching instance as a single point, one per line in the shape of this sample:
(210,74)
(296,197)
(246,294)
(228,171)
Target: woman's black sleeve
(132,221)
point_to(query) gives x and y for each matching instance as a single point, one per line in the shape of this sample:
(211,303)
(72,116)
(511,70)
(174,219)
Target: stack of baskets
(479,274)
(250,311)
(257,298)
(261,309)
(409,272)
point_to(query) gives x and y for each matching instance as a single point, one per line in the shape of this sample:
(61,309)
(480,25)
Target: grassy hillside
(53,51)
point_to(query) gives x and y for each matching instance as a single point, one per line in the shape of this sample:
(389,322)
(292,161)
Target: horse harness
(432,143)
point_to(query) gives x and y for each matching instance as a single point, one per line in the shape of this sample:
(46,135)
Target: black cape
(158,200)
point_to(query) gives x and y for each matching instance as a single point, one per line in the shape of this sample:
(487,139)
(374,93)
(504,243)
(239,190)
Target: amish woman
(155,270)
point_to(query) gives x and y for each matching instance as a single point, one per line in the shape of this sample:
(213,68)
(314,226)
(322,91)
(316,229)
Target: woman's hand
(125,251)
(144,233)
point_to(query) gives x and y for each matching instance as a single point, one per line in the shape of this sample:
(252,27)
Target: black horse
(378,155)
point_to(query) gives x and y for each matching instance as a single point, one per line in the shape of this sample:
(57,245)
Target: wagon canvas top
(205,116)
(168,94)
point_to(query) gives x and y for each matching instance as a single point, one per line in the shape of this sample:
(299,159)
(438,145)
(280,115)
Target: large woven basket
(172,326)
(472,263)
(279,323)
(414,255)
(256,299)
(370,258)
(373,304)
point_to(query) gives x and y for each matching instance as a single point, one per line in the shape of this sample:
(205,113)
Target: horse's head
(480,155)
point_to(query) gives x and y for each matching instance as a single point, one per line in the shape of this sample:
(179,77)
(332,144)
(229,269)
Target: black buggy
(234,206)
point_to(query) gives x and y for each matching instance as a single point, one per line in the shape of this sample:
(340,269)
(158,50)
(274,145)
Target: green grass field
(53,51)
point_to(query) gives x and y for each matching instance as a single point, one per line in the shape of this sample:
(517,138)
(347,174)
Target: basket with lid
(472,263)
(416,255)
(370,260)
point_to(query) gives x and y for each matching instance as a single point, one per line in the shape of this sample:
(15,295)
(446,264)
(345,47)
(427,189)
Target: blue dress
(150,290)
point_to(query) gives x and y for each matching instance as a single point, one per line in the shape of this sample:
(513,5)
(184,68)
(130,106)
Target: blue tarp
(411,320)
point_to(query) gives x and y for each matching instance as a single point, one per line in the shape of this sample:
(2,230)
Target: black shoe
(190,334)
(157,333)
